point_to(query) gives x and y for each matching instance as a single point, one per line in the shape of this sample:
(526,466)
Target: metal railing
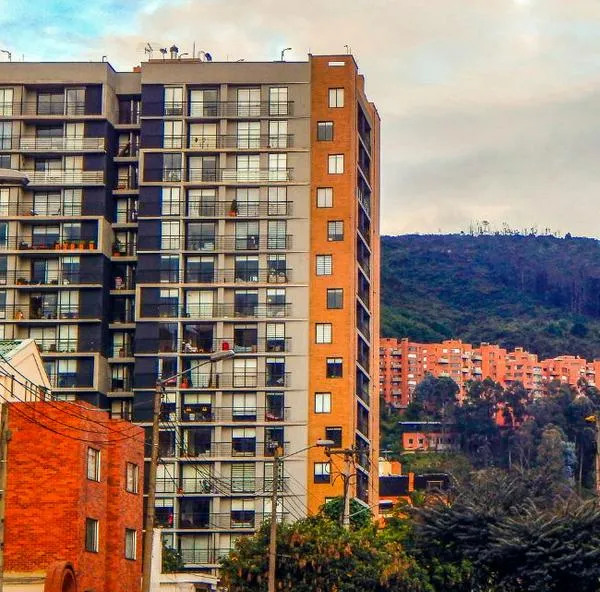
(52,209)
(227,276)
(248,448)
(65,177)
(46,243)
(54,108)
(219,310)
(66,144)
(209,109)
(57,345)
(235,380)
(204,413)
(20,312)
(233,141)
(212,345)
(230,209)
(50,278)
(222,242)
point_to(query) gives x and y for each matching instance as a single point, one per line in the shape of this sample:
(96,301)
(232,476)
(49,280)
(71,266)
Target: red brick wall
(49,496)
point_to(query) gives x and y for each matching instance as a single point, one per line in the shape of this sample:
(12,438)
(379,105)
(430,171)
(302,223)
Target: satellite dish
(207,57)
(204,56)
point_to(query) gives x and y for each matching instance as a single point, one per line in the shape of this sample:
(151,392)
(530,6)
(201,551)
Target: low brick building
(74,496)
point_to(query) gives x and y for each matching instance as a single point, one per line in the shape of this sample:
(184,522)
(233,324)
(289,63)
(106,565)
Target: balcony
(230,209)
(205,413)
(27,312)
(219,310)
(50,278)
(67,144)
(207,381)
(230,175)
(54,345)
(227,142)
(52,109)
(211,109)
(247,448)
(209,345)
(64,177)
(219,243)
(46,243)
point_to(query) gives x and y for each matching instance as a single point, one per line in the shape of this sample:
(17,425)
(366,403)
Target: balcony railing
(235,142)
(56,345)
(223,276)
(210,345)
(35,144)
(26,207)
(225,175)
(221,242)
(46,243)
(50,278)
(54,108)
(210,109)
(199,381)
(65,177)
(205,413)
(232,209)
(20,312)
(211,485)
(218,310)
(249,448)
(70,380)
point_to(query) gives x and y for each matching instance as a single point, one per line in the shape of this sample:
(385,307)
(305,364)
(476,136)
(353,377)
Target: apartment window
(336,97)
(170,202)
(5,135)
(173,134)
(324,131)
(278,100)
(169,268)
(130,543)
(169,235)
(335,230)
(335,298)
(324,264)
(173,100)
(91,535)
(325,197)
(278,134)
(172,166)
(93,464)
(132,474)
(335,164)
(278,167)
(323,333)
(277,201)
(335,435)
(276,234)
(322,402)
(334,367)
(6,101)
(322,472)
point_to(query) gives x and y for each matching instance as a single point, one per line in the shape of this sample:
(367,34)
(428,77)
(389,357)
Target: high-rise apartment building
(189,207)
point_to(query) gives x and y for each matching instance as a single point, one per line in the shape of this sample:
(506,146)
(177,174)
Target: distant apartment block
(403,364)
(189,207)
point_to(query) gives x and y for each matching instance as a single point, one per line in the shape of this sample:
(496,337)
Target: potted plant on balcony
(21,281)
(91,245)
(185,383)
(117,248)
(233,208)
(82,244)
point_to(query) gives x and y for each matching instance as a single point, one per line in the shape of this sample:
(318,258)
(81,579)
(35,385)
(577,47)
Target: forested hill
(539,292)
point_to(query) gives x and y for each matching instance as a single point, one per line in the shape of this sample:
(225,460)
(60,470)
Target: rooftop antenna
(283,52)
(8,53)
(174,50)
(164,51)
(348,49)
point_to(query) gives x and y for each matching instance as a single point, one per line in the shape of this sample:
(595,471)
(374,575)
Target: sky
(490,108)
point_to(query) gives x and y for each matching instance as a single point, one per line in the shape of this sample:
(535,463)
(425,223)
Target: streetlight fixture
(8,53)
(283,52)
(273,533)
(149,526)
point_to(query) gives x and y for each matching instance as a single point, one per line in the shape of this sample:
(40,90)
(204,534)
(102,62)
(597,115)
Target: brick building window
(324,265)
(334,367)
(323,333)
(91,535)
(322,402)
(336,97)
(132,474)
(322,472)
(335,165)
(324,131)
(130,543)
(335,435)
(335,298)
(93,464)
(335,230)
(325,197)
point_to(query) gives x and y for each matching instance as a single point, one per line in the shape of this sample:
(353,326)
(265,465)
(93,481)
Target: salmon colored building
(74,501)
(403,364)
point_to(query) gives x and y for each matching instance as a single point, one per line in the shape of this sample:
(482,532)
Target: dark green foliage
(171,559)
(360,517)
(538,292)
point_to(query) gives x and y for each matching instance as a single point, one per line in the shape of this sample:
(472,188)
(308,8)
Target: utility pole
(150,510)
(4,438)
(273,534)
(348,457)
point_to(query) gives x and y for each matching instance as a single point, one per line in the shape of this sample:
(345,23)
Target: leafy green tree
(172,560)
(360,517)
(317,555)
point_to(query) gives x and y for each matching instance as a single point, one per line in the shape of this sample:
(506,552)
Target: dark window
(325,130)
(322,472)
(334,368)
(91,535)
(335,230)
(335,435)
(335,298)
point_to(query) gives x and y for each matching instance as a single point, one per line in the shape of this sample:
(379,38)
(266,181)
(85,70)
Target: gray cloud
(489,108)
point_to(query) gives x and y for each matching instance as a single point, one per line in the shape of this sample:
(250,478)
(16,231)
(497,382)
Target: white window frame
(335,164)
(324,265)
(322,402)
(132,477)
(325,197)
(131,544)
(95,525)
(336,98)
(94,457)
(323,333)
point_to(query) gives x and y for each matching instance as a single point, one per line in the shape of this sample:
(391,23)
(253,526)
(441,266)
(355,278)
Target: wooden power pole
(273,533)
(4,438)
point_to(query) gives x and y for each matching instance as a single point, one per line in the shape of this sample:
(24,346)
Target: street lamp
(283,52)
(160,389)
(273,534)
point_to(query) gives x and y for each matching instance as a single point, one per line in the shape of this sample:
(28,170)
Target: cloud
(488,108)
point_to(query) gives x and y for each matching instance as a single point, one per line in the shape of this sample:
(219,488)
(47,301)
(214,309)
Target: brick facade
(49,495)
